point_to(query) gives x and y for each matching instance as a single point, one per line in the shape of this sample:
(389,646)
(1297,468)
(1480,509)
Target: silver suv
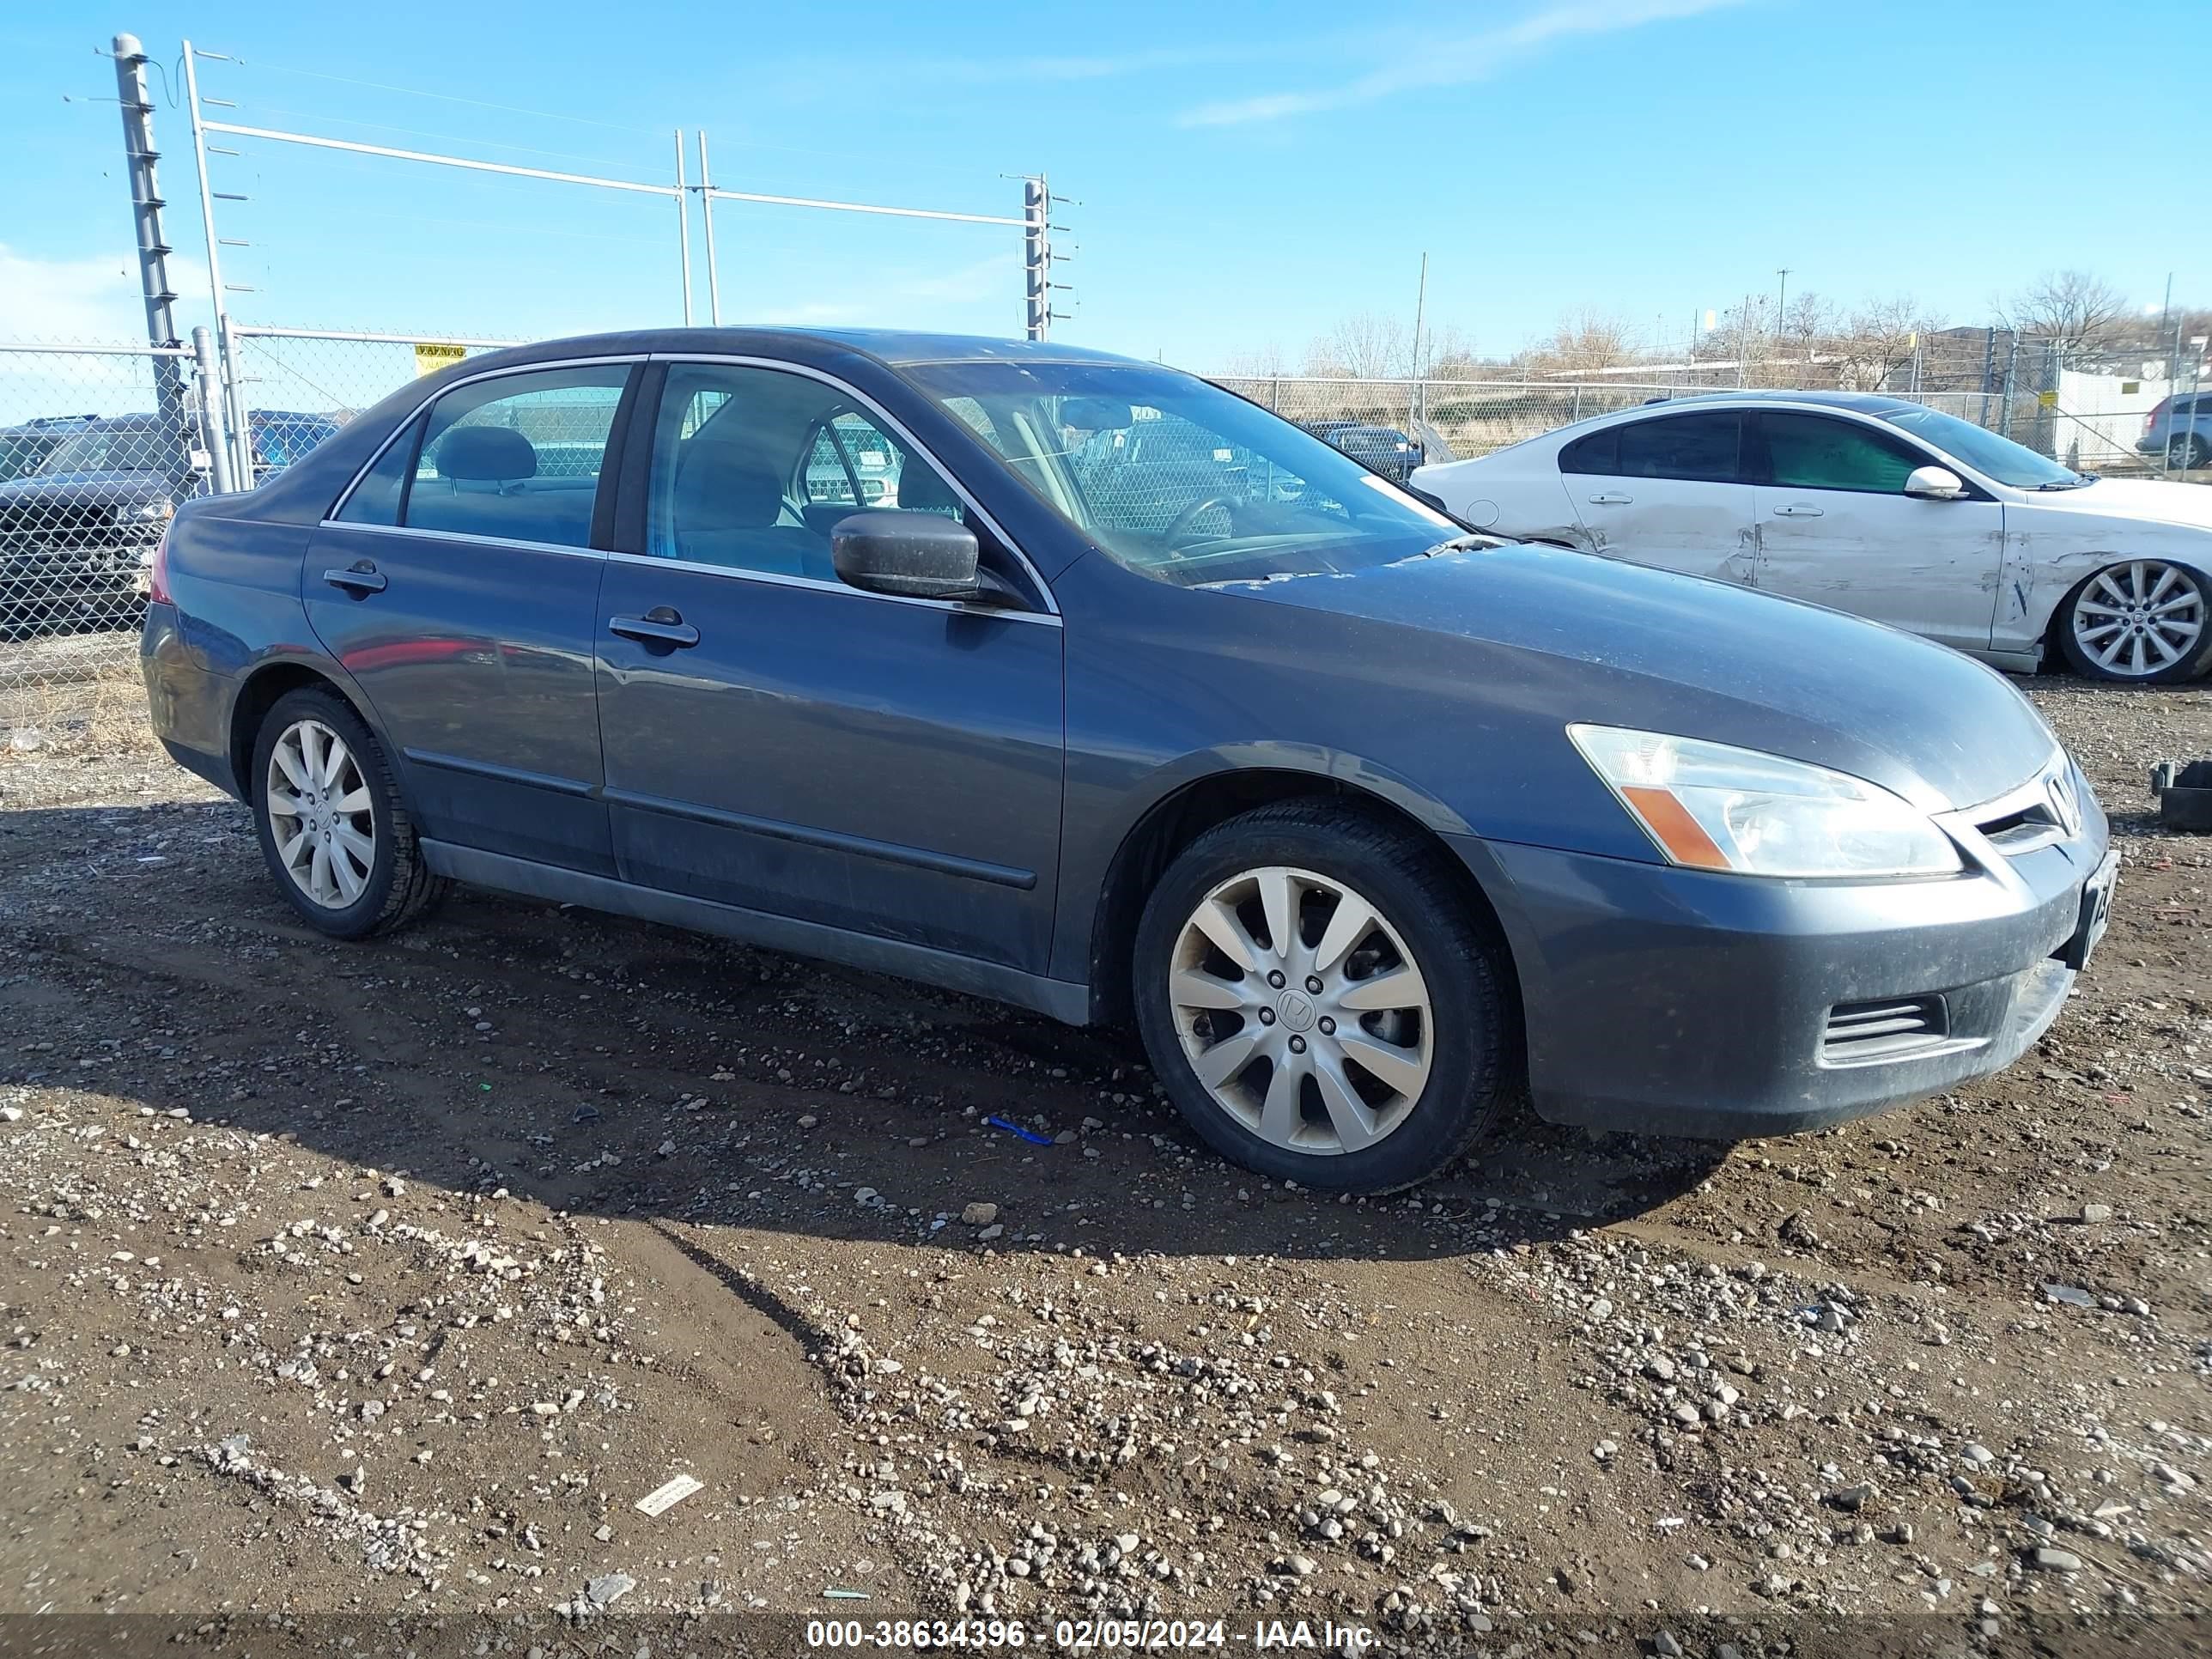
(2180,429)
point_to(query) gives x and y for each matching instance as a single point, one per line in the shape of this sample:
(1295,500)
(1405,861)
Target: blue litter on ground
(1030,1136)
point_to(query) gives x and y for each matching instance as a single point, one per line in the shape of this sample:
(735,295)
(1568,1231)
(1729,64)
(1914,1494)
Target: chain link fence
(100,440)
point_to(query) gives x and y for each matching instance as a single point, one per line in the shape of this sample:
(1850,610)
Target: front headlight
(144,513)
(1711,806)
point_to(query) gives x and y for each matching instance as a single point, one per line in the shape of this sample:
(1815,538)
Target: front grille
(1861,1031)
(2047,808)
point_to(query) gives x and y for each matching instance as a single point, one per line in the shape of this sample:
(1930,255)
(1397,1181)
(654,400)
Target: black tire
(1477,1051)
(2189,667)
(399,887)
(2186,452)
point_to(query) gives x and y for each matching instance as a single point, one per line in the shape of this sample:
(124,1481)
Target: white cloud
(1431,63)
(89,302)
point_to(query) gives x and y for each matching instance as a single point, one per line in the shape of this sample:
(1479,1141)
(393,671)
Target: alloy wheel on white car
(1302,1011)
(322,814)
(2139,620)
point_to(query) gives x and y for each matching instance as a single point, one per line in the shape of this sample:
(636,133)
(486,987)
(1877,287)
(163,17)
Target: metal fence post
(233,386)
(707,213)
(137,102)
(213,437)
(683,227)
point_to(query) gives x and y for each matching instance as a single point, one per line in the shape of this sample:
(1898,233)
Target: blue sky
(1244,175)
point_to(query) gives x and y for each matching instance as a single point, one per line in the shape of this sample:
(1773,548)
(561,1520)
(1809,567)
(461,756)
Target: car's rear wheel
(333,828)
(2146,622)
(1321,1003)
(2185,451)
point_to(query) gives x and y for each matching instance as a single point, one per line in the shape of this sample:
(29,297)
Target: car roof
(894,348)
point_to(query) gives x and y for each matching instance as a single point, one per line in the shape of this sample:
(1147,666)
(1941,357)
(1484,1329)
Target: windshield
(1986,452)
(100,452)
(1178,479)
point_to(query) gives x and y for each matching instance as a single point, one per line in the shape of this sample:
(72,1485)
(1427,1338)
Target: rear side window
(517,457)
(1812,452)
(1707,446)
(377,498)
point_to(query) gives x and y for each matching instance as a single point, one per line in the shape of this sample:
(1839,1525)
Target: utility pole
(137,102)
(1036,256)
(1781,308)
(1420,311)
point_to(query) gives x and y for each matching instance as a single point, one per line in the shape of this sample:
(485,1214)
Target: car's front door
(779,741)
(1667,490)
(1836,527)
(458,586)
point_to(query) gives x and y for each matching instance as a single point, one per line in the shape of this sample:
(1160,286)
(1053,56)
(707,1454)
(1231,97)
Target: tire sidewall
(361,916)
(1468,1009)
(2188,668)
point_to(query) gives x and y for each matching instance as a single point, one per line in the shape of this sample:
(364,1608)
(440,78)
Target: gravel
(319,1298)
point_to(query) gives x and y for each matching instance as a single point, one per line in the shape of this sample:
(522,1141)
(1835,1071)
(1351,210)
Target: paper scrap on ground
(667,1498)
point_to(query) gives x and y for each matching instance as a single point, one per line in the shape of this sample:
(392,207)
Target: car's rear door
(457,585)
(1668,490)
(1836,527)
(779,741)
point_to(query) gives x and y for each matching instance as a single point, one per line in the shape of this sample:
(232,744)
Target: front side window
(517,456)
(1813,452)
(1178,479)
(753,468)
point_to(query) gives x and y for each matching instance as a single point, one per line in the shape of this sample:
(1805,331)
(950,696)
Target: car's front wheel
(2186,451)
(333,828)
(2144,622)
(1320,1002)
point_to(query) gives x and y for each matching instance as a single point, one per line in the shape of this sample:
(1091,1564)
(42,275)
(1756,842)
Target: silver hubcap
(321,814)
(1301,1011)
(2139,618)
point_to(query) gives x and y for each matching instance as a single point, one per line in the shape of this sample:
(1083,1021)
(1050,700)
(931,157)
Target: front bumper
(1667,1002)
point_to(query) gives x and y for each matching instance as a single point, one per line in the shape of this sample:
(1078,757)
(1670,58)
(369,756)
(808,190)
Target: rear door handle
(659,626)
(1611,498)
(363,578)
(1797,510)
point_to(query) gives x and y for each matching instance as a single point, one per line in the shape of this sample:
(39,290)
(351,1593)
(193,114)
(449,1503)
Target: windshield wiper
(2069,484)
(1460,543)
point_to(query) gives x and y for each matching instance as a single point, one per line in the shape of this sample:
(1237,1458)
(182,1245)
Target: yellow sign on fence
(430,356)
(2048,399)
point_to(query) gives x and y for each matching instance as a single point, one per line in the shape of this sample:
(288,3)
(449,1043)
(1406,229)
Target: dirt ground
(356,1294)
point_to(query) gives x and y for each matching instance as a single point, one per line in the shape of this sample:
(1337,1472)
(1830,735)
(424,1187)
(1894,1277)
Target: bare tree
(1365,347)
(1266,362)
(1877,339)
(2072,308)
(1584,340)
(1448,354)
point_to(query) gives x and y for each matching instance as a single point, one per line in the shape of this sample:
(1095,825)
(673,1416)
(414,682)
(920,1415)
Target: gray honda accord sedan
(1075,682)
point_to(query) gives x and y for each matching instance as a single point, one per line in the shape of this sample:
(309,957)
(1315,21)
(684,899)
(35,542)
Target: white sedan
(1886,509)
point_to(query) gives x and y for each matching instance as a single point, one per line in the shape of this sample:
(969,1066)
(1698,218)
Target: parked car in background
(76,531)
(1360,818)
(1381,448)
(1886,509)
(2178,430)
(24,446)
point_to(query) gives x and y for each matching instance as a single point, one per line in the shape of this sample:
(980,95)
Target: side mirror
(1934,483)
(918,556)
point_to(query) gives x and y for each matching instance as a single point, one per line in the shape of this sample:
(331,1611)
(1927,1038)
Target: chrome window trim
(897,428)
(777,579)
(467,537)
(416,414)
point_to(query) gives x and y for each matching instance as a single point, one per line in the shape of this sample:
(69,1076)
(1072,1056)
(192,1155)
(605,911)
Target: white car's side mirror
(1934,483)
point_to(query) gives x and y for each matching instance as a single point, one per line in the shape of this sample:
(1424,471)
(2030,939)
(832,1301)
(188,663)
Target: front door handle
(1611,498)
(1797,510)
(362,579)
(661,625)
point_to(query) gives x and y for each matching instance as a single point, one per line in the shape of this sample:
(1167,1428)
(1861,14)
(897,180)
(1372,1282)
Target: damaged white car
(1886,509)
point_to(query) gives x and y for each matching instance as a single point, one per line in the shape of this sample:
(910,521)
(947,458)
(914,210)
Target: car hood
(1560,637)
(2145,500)
(73,489)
